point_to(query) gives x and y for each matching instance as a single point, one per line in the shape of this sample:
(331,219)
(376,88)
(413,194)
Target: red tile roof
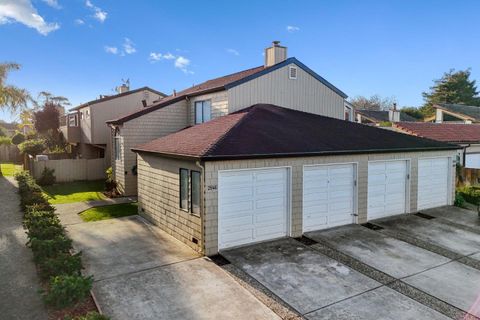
(213,85)
(265,130)
(446,132)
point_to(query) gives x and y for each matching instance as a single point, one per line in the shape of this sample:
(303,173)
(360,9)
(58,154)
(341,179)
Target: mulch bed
(80,309)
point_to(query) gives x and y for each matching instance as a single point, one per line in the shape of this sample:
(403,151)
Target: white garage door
(433,182)
(387,181)
(328,196)
(252,206)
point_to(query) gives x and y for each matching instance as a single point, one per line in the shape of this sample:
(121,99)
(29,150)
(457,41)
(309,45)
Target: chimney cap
(276,43)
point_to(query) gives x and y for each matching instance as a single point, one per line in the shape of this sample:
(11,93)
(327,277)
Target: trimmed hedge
(51,247)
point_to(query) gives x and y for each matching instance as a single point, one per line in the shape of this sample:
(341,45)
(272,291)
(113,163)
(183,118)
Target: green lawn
(78,191)
(109,212)
(9,169)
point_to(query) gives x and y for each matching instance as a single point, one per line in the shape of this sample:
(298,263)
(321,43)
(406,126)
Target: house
(280,80)
(445,112)
(85,129)
(380,117)
(267,172)
(466,135)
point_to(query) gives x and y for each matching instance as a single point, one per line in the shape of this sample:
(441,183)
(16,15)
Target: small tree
(18,138)
(47,119)
(413,112)
(32,147)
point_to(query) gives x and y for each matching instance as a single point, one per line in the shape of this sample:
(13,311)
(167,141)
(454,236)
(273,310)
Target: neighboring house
(466,135)
(282,81)
(377,118)
(268,172)
(456,113)
(85,129)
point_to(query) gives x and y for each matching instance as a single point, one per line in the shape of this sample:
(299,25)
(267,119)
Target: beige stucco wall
(219,105)
(158,198)
(296,169)
(305,93)
(144,129)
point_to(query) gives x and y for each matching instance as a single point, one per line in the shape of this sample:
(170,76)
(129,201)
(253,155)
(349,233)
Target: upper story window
(81,115)
(87,114)
(348,113)
(203,111)
(73,120)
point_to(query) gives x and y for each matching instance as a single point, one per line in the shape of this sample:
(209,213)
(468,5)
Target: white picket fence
(67,170)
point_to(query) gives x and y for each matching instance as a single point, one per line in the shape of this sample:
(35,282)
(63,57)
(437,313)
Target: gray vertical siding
(304,94)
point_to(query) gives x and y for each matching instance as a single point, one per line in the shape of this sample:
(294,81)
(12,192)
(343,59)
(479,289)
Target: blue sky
(80,49)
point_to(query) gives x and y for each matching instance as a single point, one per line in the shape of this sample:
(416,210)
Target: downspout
(202,203)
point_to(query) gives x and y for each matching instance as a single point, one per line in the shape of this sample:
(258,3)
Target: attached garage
(268,172)
(434,185)
(328,196)
(387,188)
(252,206)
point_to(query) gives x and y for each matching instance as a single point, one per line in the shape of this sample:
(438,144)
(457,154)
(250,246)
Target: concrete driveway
(142,273)
(354,272)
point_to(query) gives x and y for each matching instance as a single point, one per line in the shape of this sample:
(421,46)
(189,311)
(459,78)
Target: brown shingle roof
(213,85)
(116,96)
(447,132)
(270,131)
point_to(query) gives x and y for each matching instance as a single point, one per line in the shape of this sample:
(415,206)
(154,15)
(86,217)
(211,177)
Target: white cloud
(98,14)
(79,22)
(179,62)
(182,63)
(24,12)
(157,56)
(292,29)
(53,4)
(112,50)
(128,46)
(233,51)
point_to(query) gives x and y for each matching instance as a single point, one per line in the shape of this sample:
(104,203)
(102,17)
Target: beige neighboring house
(84,126)
(268,172)
(282,81)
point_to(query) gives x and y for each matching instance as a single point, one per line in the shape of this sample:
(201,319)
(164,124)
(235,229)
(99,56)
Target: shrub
(45,228)
(3,132)
(50,248)
(47,178)
(63,264)
(18,138)
(65,291)
(459,200)
(385,124)
(470,194)
(32,147)
(5,140)
(110,183)
(31,198)
(39,207)
(89,316)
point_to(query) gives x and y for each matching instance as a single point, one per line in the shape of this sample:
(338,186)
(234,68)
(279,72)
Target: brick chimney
(275,54)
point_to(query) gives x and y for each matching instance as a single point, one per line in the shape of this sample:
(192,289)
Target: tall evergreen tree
(453,87)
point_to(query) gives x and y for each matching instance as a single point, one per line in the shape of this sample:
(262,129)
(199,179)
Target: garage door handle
(354,214)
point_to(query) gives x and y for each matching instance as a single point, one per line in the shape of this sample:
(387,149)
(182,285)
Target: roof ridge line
(229,131)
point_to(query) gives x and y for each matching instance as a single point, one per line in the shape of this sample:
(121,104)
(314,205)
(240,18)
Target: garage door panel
(328,196)
(433,182)
(387,181)
(252,206)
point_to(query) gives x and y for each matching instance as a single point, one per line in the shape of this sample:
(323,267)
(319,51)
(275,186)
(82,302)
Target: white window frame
(204,115)
(195,209)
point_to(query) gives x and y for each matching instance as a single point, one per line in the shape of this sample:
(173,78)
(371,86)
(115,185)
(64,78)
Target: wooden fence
(10,153)
(67,170)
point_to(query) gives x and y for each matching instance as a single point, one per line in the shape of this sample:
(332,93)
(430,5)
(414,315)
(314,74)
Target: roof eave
(281,65)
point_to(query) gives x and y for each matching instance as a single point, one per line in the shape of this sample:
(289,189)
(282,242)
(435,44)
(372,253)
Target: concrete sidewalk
(19,296)
(68,212)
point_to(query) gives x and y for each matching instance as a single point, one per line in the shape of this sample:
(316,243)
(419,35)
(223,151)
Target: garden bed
(66,291)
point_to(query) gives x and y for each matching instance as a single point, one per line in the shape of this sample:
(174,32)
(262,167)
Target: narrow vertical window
(184,189)
(117,145)
(195,192)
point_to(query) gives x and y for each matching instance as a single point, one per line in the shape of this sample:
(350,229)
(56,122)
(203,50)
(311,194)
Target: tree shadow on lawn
(77,191)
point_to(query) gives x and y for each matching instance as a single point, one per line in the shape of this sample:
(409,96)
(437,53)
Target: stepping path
(68,212)
(19,296)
